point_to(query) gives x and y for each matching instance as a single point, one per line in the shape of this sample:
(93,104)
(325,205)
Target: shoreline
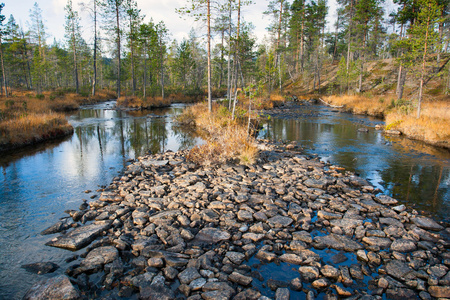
(169,227)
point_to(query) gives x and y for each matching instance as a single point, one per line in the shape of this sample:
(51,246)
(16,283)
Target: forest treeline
(135,57)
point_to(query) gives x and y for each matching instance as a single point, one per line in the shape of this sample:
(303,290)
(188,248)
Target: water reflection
(411,171)
(37,184)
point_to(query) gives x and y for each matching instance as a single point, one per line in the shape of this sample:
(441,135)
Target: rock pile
(170,229)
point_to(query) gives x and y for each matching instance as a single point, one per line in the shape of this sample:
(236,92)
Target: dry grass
(373,106)
(433,126)
(226,139)
(32,128)
(26,118)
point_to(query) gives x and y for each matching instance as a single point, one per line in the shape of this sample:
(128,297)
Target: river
(39,183)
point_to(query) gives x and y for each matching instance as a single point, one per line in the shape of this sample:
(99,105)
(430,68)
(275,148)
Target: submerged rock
(41,267)
(58,287)
(79,237)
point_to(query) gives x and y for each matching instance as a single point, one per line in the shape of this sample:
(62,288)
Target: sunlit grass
(32,128)
(374,105)
(27,117)
(433,126)
(143,103)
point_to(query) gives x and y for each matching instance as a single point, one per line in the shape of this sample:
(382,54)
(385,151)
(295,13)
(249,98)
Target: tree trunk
(422,73)
(94,79)
(145,70)
(348,44)
(162,67)
(133,75)
(229,61)
(209,55)
(236,56)
(118,50)
(3,68)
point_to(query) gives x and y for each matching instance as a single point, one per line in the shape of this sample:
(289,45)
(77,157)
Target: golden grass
(373,106)
(433,126)
(26,117)
(32,128)
(226,139)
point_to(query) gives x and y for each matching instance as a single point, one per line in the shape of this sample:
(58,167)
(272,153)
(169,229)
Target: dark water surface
(416,174)
(37,184)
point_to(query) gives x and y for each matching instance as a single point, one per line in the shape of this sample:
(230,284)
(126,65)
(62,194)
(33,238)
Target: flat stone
(280,221)
(291,258)
(168,214)
(400,294)
(212,235)
(309,273)
(400,270)
(377,241)
(41,267)
(245,216)
(282,294)
(386,200)
(329,271)
(217,295)
(427,223)
(320,283)
(316,183)
(188,275)
(391,221)
(334,241)
(346,223)
(403,245)
(58,227)
(321,214)
(235,257)
(266,256)
(197,284)
(58,287)
(154,163)
(253,236)
(79,237)
(240,279)
(156,292)
(439,291)
(372,205)
(98,257)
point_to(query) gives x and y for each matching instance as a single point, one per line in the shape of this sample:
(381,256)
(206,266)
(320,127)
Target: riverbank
(286,226)
(433,126)
(27,118)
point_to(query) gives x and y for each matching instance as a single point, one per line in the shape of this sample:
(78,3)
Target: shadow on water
(411,171)
(38,183)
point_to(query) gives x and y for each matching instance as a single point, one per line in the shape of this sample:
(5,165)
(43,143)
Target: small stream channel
(39,183)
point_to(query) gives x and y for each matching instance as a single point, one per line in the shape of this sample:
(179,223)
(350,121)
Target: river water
(39,183)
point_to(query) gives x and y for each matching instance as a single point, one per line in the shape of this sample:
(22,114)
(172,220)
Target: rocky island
(287,227)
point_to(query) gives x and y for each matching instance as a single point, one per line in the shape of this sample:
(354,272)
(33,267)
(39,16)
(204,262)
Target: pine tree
(73,35)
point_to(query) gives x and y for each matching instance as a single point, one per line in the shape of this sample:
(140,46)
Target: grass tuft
(226,139)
